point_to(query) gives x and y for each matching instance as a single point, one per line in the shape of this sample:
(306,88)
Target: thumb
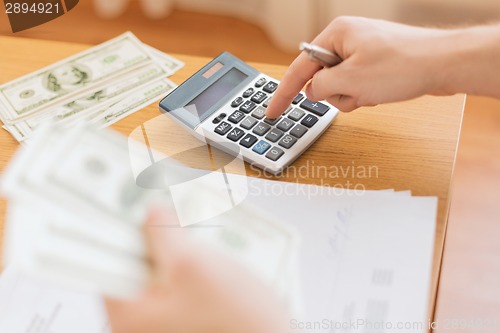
(161,240)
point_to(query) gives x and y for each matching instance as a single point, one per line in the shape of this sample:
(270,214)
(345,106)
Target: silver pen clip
(320,55)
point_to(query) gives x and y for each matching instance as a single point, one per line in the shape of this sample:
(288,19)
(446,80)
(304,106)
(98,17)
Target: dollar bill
(102,98)
(82,228)
(51,84)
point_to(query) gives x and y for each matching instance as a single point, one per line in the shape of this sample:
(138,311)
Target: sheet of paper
(28,305)
(364,260)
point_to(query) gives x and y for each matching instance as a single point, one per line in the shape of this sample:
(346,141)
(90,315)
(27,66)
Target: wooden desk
(412,144)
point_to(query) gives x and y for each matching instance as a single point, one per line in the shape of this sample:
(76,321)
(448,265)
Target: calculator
(224,104)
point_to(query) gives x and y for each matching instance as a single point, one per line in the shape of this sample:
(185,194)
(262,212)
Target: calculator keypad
(269,137)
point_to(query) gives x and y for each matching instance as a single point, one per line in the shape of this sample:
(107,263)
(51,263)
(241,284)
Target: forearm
(472,64)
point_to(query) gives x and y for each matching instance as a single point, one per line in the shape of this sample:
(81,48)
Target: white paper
(28,305)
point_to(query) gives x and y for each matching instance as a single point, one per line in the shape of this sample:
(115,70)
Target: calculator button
(298,98)
(247,93)
(260,112)
(287,141)
(296,114)
(271,121)
(315,107)
(261,147)
(235,134)
(261,128)
(248,106)
(223,128)
(285,125)
(274,154)
(237,102)
(260,82)
(236,117)
(248,122)
(267,101)
(309,120)
(270,87)
(259,97)
(248,141)
(274,135)
(287,110)
(298,131)
(219,118)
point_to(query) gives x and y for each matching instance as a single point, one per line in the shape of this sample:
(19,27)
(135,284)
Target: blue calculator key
(223,128)
(315,107)
(309,120)
(248,140)
(236,117)
(298,98)
(261,147)
(275,153)
(248,106)
(270,87)
(235,134)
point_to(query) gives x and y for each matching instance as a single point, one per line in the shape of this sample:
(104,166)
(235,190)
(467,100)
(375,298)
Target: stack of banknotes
(100,85)
(76,210)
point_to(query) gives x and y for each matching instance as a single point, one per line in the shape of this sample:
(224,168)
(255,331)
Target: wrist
(469,61)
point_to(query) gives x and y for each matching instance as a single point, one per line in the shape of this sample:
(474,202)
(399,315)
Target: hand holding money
(194,290)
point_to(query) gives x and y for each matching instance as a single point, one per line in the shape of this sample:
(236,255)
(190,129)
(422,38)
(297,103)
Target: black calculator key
(298,131)
(259,97)
(287,141)
(285,124)
(298,98)
(274,153)
(235,134)
(248,106)
(296,114)
(274,135)
(236,117)
(309,120)
(261,128)
(237,101)
(261,147)
(260,112)
(247,93)
(266,102)
(222,128)
(270,87)
(271,121)
(315,107)
(219,118)
(248,141)
(248,122)
(260,82)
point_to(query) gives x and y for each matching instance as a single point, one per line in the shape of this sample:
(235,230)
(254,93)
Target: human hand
(194,291)
(383,62)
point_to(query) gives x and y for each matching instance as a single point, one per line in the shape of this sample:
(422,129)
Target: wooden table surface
(412,144)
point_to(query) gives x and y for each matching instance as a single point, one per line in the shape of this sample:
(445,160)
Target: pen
(318,54)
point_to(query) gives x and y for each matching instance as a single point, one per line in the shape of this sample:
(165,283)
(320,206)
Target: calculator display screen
(217,91)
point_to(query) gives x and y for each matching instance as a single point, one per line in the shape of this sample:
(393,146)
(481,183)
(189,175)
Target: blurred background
(269,31)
